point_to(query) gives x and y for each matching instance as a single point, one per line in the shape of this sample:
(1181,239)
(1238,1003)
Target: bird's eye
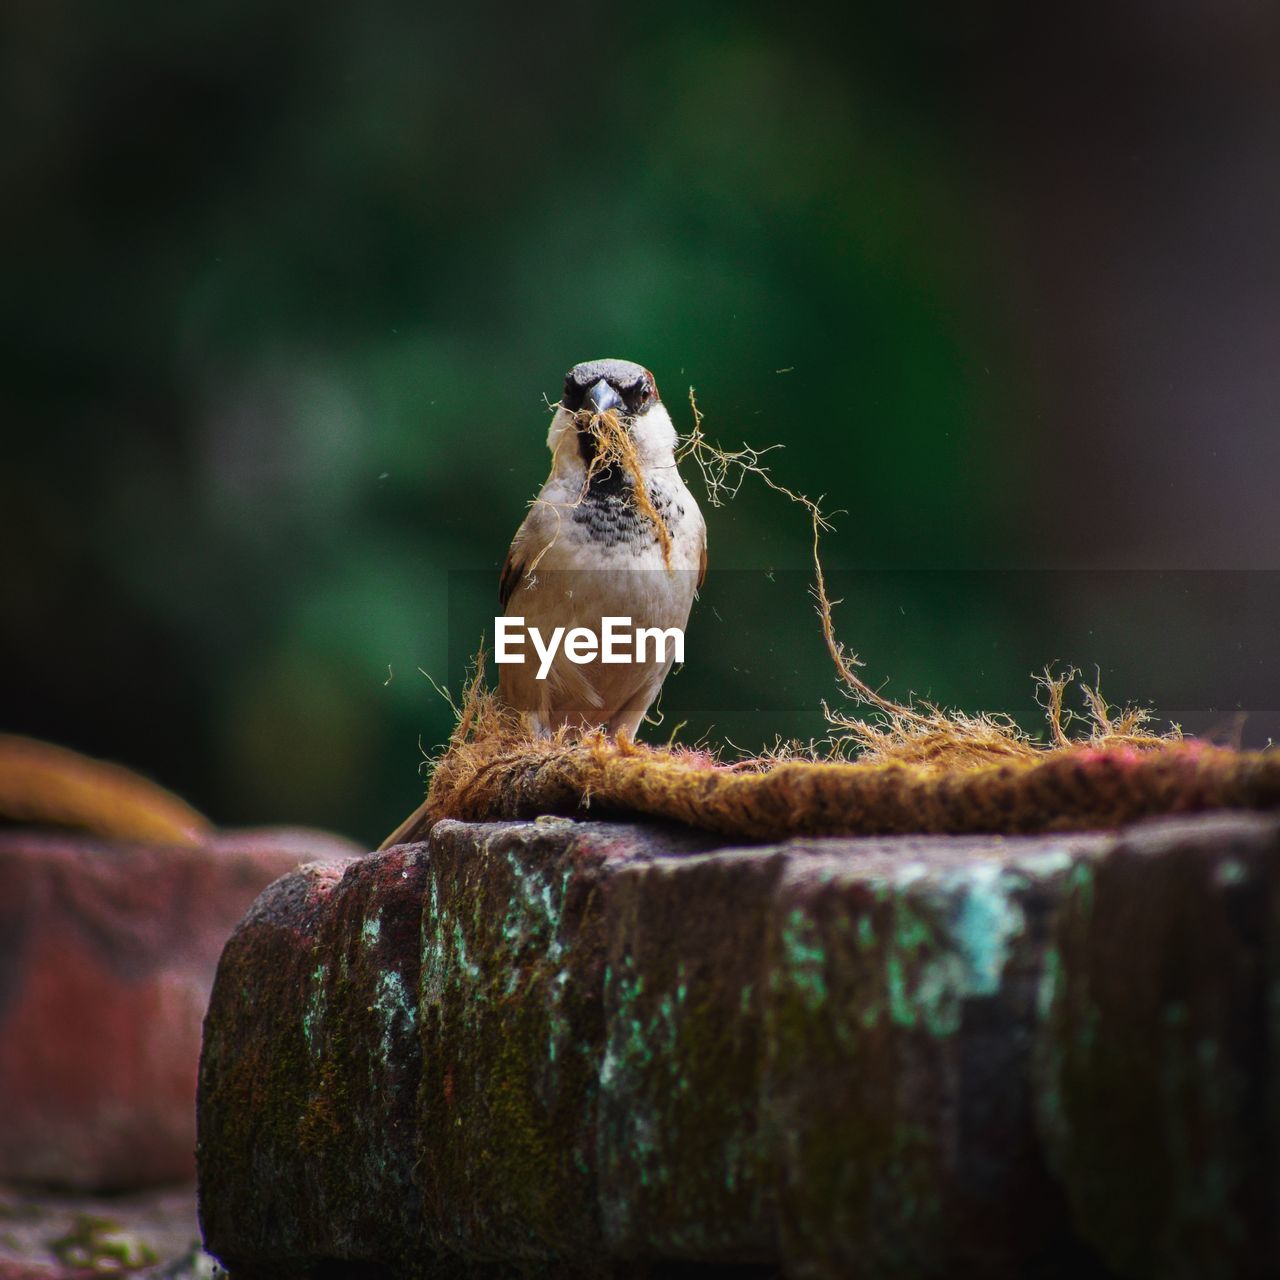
(638,395)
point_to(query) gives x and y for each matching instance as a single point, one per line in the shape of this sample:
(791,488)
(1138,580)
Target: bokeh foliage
(292,288)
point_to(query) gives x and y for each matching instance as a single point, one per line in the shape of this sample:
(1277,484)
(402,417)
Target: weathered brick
(1156,1061)
(107,956)
(597,1049)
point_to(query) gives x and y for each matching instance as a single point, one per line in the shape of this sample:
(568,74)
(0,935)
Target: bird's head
(596,386)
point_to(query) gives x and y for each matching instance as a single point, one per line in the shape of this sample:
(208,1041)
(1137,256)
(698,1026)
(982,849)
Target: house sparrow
(588,551)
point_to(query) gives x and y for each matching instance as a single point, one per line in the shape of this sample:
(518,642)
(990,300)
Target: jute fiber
(493,770)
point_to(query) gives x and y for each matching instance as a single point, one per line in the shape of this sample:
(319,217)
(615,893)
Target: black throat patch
(608,513)
(612,479)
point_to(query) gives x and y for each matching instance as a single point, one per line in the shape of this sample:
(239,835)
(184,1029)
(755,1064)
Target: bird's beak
(602,396)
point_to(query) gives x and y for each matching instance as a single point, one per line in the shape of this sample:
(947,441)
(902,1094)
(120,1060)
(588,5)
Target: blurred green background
(287,288)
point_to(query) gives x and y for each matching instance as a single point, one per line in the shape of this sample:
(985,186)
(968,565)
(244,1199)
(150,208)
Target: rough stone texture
(588,1048)
(903,988)
(1156,1068)
(511,1027)
(107,956)
(318,1062)
(686,1169)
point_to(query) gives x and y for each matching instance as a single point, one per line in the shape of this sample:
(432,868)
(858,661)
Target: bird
(613,532)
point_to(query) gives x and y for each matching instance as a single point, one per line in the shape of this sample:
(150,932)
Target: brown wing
(702,567)
(512,572)
(515,568)
(522,559)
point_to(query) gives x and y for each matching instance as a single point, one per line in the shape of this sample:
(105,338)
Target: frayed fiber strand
(916,768)
(493,771)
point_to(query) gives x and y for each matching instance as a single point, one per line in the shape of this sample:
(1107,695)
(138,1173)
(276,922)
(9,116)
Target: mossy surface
(310,1065)
(593,1049)
(686,1169)
(511,1028)
(1155,1088)
(897,1072)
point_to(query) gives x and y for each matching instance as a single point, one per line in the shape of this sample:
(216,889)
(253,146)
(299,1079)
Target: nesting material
(934,780)
(907,769)
(614,447)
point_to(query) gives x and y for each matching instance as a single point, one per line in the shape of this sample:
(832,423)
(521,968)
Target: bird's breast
(573,528)
(609,518)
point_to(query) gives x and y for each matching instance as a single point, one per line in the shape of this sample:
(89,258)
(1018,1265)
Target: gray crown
(618,373)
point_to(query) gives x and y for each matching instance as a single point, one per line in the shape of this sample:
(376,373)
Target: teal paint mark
(805,959)
(314,1011)
(940,994)
(535,908)
(667,1024)
(989,921)
(396,1012)
(1229,872)
(1080,883)
(536,893)
(1044,866)
(435,966)
(534,917)
(468,966)
(950,943)
(911,932)
(905,971)
(628,1043)
(1048,1097)
(1050,982)
(901,1010)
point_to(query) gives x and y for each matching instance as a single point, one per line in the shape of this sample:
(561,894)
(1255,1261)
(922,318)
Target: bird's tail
(414,827)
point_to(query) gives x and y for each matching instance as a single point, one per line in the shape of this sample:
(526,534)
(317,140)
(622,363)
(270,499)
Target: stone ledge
(591,1048)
